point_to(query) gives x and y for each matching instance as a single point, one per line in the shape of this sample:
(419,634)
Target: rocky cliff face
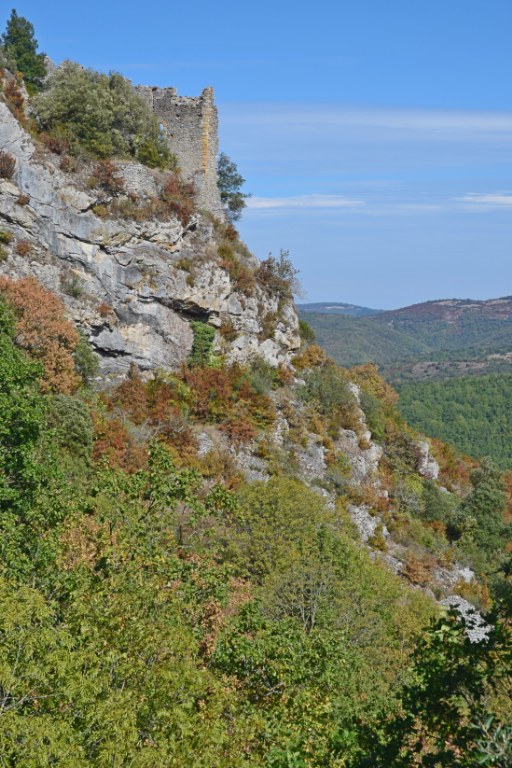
(133,287)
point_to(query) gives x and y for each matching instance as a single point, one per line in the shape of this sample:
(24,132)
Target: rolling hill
(450,360)
(338,308)
(444,332)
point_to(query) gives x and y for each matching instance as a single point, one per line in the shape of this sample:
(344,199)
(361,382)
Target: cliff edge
(134,285)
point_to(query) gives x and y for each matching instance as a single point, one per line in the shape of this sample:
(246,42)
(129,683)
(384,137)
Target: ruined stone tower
(191,125)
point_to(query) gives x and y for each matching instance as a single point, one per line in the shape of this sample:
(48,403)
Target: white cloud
(487,201)
(303,201)
(321,119)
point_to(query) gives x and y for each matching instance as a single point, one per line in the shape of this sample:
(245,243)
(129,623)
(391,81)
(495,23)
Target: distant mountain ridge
(444,330)
(450,310)
(338,308)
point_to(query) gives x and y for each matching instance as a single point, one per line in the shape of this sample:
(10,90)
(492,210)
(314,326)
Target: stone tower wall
(191,125)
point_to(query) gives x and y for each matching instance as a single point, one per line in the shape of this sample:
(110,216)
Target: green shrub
(155,155)
(86,362)
(70,419)
(102,114)
(204,336)
(263,376)
(72,285)
(307,334)
(328,388)
(374,414)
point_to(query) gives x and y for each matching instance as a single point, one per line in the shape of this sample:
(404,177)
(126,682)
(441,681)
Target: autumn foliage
(367,377)
(15,100)
(114,446)
(7,165)
(44,332)
(154,405)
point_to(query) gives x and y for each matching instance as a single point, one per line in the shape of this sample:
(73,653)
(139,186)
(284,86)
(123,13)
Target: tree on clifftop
(20,46)
(230,183)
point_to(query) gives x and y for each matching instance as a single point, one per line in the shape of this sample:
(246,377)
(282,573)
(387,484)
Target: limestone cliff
(133,287)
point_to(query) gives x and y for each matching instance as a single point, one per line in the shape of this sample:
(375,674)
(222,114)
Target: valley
(450,360)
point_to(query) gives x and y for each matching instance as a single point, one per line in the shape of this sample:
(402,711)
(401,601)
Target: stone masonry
(191,125)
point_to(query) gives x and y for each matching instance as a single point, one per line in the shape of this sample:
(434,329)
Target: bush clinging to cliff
(279,275)
(43,330)
(102,114)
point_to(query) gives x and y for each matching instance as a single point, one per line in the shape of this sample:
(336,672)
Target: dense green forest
(472,413)
(387,339)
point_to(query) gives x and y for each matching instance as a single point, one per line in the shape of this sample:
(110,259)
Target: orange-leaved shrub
(157,405)
(15,100)
(114,445)
(454,468)
(107,176)
(44,332)
(239,431)
(179,198)
(56,143)
(367,377)
(227,394)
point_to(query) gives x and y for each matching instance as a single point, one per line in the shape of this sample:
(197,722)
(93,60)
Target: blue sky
(375,136)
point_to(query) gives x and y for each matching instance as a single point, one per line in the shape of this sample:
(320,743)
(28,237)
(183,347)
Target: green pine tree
(20,46)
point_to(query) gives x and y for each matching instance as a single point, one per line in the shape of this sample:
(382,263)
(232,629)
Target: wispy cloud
(320,156)
(303,201)
(322,118)
(487,201)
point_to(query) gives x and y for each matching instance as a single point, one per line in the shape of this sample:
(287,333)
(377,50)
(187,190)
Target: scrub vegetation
(159,609)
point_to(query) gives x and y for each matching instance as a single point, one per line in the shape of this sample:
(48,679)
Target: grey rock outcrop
(127,284)
(426,464)
(476,628)
(366,523)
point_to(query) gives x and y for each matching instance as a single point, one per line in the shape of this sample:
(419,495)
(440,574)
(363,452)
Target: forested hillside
(160,608)
(430,332)
(451,362)
(472,413)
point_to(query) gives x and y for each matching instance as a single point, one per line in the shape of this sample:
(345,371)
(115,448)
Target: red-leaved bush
(44,332)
